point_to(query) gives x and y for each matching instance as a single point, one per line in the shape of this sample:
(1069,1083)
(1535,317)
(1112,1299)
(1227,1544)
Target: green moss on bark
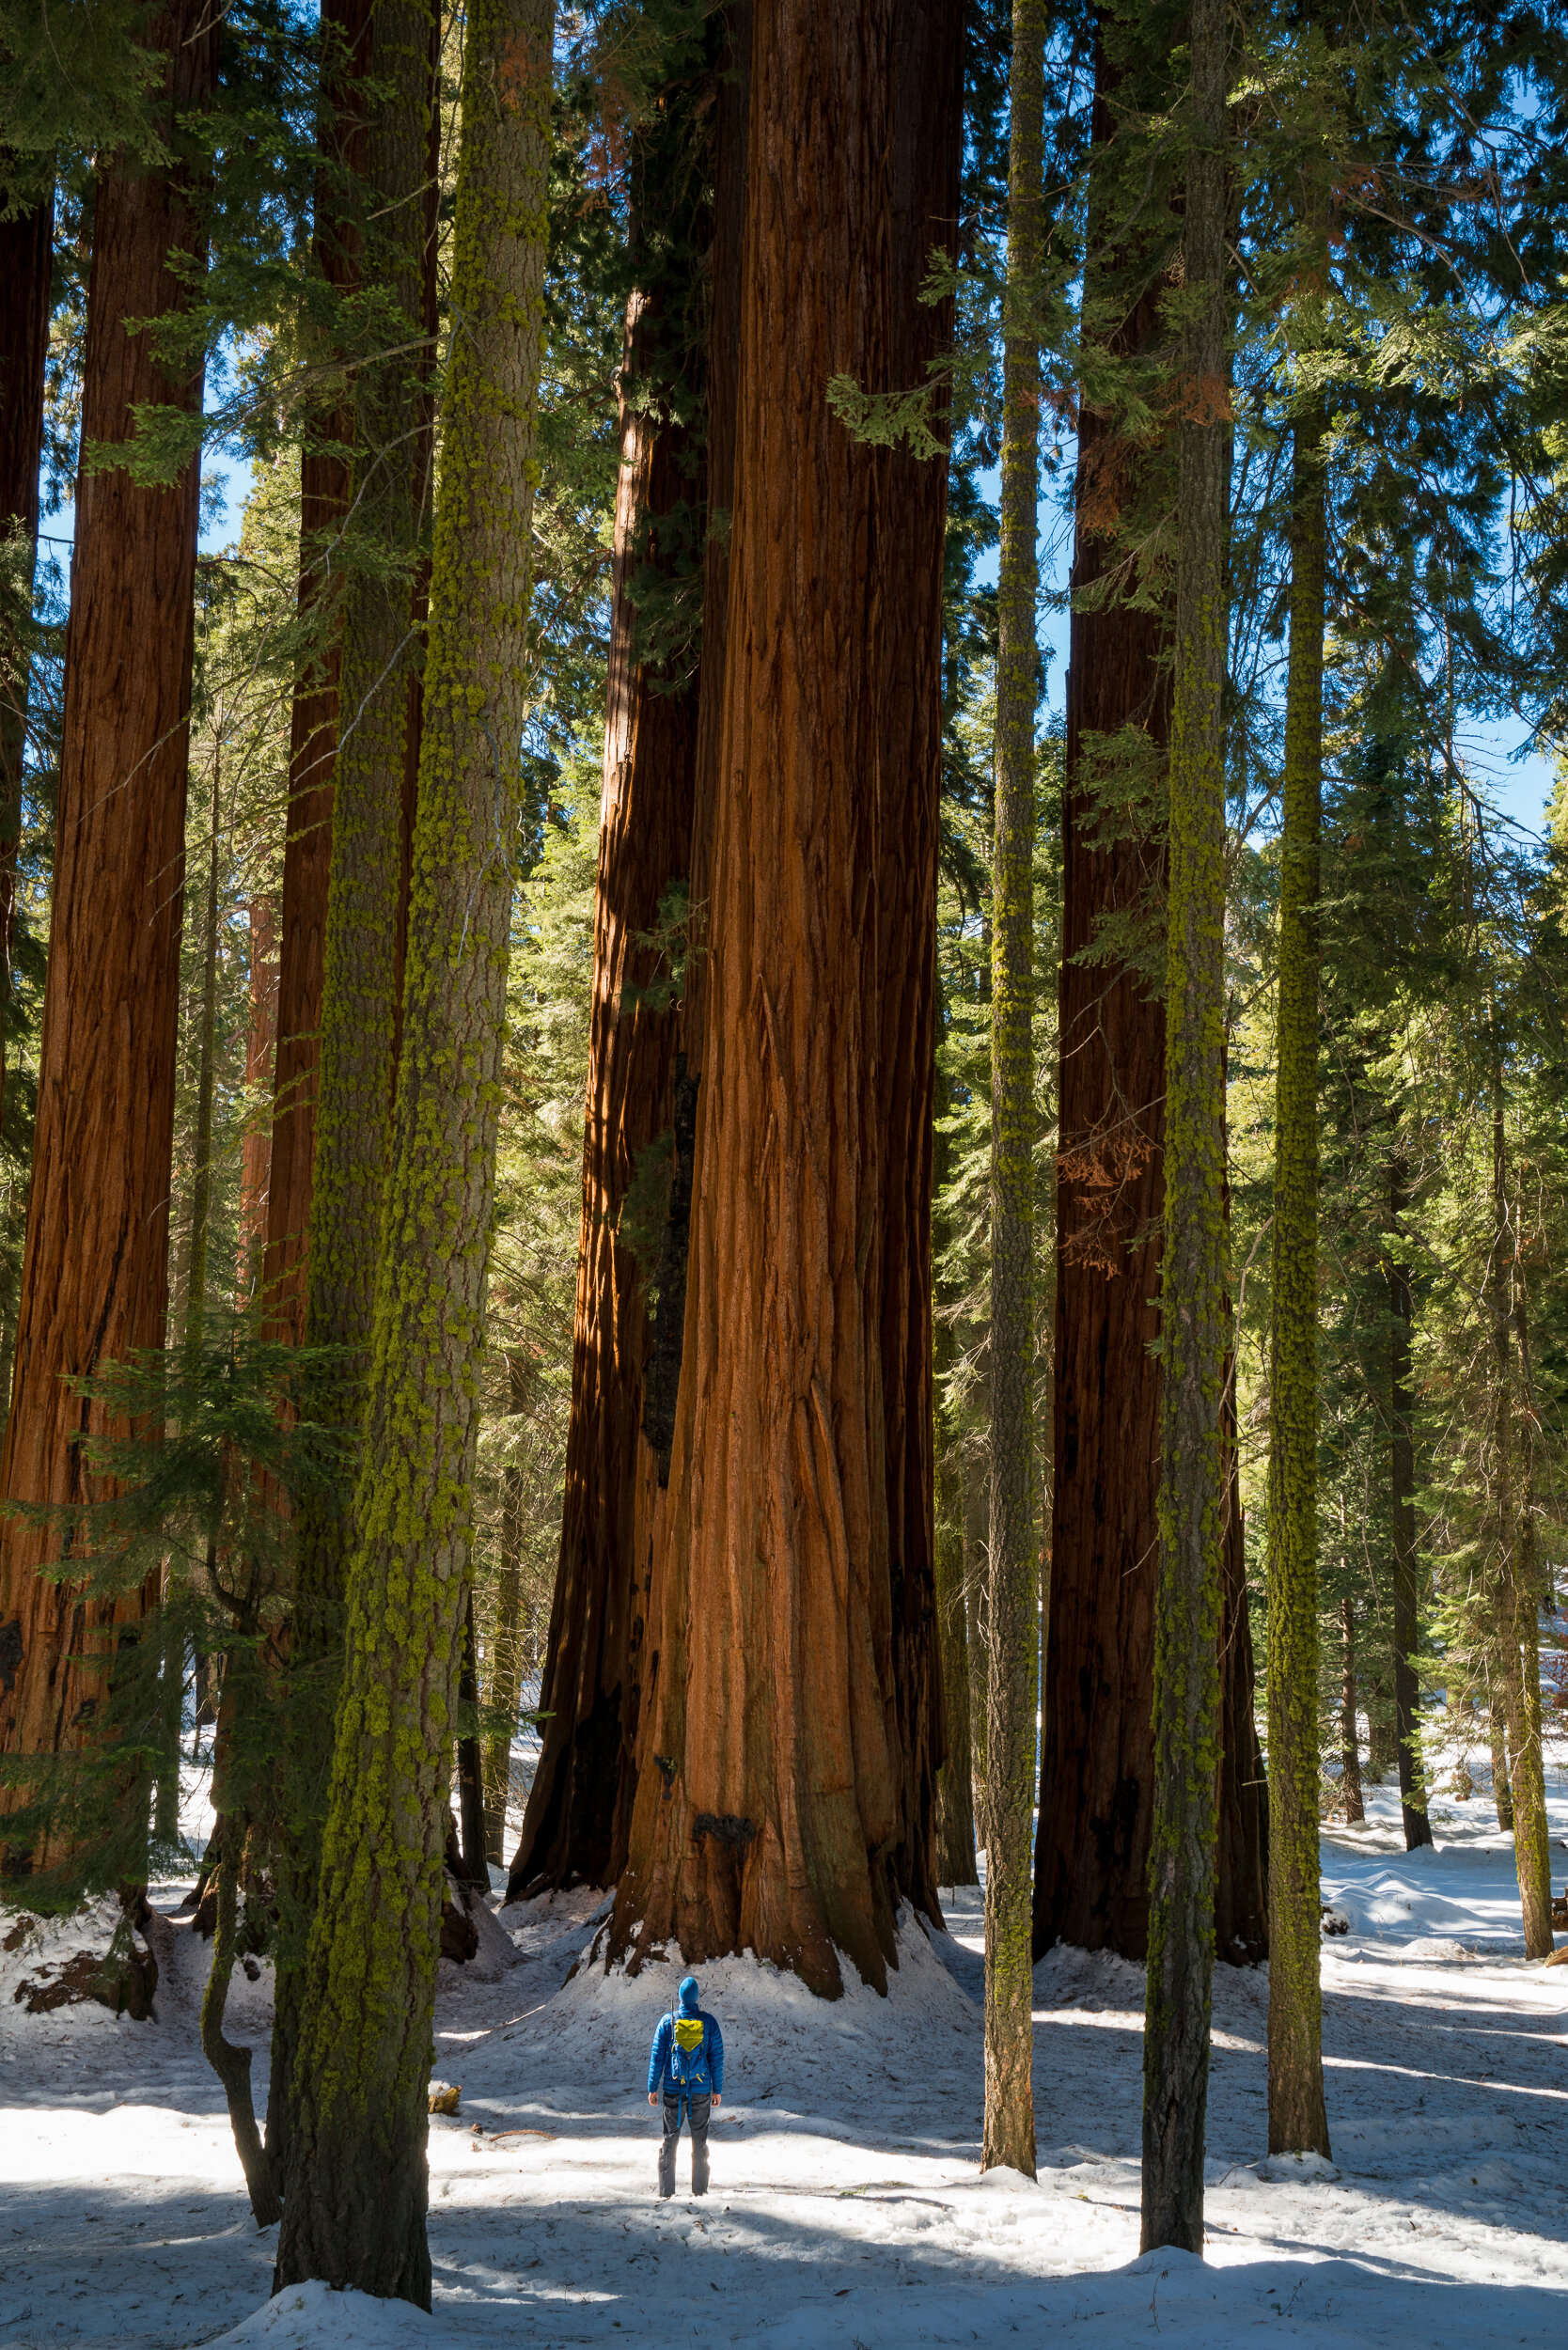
(357,2185)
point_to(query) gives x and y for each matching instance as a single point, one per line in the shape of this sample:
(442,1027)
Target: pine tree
(1194,1316)
(1297,2122)
(377,674)
(1014,1578)
(356,2193)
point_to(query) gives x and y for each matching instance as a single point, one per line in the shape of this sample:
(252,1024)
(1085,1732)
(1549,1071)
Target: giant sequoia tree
(771,1775)
(95,1273)
(641,1085)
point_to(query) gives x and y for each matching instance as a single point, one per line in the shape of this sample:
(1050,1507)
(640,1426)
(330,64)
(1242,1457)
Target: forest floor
(847,2207)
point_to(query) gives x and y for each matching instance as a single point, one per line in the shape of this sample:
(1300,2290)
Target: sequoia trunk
(629,1136)
(927,138)
(94,1279)
(768,1797)
(1097,1780)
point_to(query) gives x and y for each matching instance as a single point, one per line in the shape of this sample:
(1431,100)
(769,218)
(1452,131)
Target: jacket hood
(688,1996)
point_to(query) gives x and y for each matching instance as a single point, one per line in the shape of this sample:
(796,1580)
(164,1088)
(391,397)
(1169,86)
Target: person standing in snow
(686,2065)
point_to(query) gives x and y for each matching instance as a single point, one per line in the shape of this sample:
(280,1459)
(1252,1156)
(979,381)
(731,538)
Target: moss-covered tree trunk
(1297,2123)
(1402,1478)
(1014,1579)
(357,2181)
(1194,1316)
(356,1056)
(27,265)
(94,1275)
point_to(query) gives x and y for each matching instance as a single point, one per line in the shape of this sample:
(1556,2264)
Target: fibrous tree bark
(1401,1472)
(768,1797)
(1193,1317)
(27,262)
(640,1084)
(1297,2122)
(926,154)
(357,1056)
(94,1279)
(357,2188)
(1014,1578)
(1096,1778)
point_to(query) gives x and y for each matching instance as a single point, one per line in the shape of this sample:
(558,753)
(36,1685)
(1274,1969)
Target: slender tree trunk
(638,1081)
(1241,1859)
(260,1046)
(1510,1577)
(769,1790)
(506,1683)
(1194,1309)
(1298,2121)
(1010,1738)
(94,1279)
(357,1058)
(1350,1749)
(202,1182)
(231,2061)
(1502,1789)
(1417,1827)
(955,1786)
(27,262)
(470,1758)
(1096,1784)
(977,1583)
(928,122)
(357,2182)
(1531,1841)
(325,466)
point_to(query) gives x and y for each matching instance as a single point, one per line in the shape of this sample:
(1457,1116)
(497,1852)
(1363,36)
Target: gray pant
(698,2110)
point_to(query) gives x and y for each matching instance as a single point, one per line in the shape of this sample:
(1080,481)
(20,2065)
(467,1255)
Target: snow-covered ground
(847,2206)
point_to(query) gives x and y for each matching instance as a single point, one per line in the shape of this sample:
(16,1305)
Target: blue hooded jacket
(698,2071)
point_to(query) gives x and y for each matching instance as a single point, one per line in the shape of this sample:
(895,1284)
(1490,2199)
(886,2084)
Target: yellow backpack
(688,2058)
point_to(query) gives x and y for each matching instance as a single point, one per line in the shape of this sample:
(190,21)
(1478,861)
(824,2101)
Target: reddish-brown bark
(660,755)
(26,256)
(94,1280)
(1097,1755)
(260,1045)
(313,723)
(768,1800)
(924,198)
(644,844)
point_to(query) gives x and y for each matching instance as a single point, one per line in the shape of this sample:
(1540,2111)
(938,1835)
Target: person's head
(688,1996)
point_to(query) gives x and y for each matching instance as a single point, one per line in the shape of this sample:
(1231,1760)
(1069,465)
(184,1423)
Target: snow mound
(1283,2171)
(314,2317)
(1068,1976)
